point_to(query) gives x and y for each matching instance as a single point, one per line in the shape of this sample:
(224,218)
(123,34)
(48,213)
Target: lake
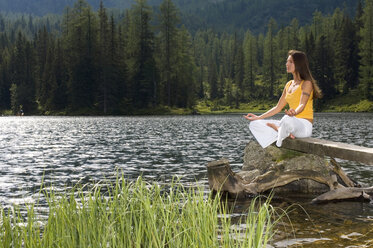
(62,151)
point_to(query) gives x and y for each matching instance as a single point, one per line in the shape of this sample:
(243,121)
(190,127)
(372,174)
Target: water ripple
(65,150)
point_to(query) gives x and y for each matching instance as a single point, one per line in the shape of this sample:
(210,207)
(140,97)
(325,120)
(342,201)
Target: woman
(299,94)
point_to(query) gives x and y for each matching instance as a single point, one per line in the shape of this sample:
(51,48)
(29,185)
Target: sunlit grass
(350,102)
(137,214)
(360,106)
(216,107)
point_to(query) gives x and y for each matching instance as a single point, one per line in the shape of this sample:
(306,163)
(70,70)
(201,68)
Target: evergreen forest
(99,61)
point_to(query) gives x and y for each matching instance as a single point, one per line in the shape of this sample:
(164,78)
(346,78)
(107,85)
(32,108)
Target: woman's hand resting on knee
(251,117)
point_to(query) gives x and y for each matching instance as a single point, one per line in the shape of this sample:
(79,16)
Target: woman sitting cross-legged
(299,94)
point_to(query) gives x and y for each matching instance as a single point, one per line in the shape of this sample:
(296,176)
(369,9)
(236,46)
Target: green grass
(351,102)
(137,214)
(214,107)
(360,106)
(7,112)
(162,110)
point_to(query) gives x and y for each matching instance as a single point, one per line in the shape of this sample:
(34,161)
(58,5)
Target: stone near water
(284,171)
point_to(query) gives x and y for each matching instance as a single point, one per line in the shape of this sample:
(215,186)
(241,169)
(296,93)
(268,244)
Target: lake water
(62,151)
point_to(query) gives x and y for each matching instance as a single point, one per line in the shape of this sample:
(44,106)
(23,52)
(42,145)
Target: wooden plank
(332,149)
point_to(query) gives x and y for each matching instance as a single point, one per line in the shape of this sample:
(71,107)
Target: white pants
(265,135)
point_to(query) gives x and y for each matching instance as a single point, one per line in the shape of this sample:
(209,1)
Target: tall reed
(136,214)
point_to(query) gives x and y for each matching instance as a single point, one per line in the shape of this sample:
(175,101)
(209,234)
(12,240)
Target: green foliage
(219,107)
(251,66)
(351,102)
(288,154)
(105,63)
(225,15)
(366,51)
(270,55)
(137,214)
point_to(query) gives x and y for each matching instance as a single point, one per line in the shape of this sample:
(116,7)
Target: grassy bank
(211,107)
(160,110)
(344,103)
(350,102)
(136,214)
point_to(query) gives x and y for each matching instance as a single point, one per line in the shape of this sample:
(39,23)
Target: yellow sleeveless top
(293,100)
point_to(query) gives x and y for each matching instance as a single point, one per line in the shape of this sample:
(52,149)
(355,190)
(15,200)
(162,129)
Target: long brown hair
(302,67)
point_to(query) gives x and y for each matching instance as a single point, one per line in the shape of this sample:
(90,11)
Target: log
(344,177)
(344,194)
(222,179)
(273,179)
(332,149)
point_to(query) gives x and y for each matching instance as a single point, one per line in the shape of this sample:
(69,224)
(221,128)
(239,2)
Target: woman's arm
(280,105)
(306,93)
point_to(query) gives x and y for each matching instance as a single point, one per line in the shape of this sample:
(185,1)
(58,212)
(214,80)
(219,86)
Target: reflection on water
(334,224)
(327,225)
(65,150)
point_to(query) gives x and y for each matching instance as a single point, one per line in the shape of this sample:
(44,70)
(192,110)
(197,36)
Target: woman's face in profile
(290,66)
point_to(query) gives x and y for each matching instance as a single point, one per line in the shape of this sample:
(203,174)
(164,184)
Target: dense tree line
(98,62)
(254,14)
(220,15)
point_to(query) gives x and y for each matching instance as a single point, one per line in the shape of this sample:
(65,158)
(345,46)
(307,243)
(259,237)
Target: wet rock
(258,161)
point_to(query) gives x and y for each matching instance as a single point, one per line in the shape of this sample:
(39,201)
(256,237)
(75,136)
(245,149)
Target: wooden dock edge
(331,149)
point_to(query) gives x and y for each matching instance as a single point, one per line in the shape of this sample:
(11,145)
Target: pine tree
(213,78)
(5,82)
(282,39)
(117,73)
(213,66)
(81,45)
(42,48)
(270,59)
(294,42)
(317,24)
(239,72)
(358,22)
(346,60)
(250,62)
(227,49)
(49,83)
(323,68)
(103,58)
(60,69)
(169,19)
(142,64)
(366,51)
(309,48)
(198,48)
(22,77)
(185,71)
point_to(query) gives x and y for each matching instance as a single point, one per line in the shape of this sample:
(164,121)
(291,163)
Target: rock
(257,158)
(307,162)
(259,161)
(279,170)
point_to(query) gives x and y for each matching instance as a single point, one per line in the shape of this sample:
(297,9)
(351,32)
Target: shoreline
(172,114)
(212,108)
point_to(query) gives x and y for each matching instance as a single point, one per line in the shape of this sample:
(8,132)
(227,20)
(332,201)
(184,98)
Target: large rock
(258,161)
(283,171)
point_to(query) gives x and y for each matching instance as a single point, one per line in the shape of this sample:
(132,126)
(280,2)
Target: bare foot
(276,128)
(272,126)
